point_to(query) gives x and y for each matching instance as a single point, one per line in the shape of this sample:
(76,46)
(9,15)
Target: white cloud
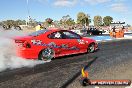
(65,3)
(94,2)
(119,7)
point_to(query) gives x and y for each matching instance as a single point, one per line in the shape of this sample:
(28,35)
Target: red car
(47,44)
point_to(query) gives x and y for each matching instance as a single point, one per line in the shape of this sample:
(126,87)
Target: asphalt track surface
(65,71)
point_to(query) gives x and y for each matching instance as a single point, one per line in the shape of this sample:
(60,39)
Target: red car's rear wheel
(46,54)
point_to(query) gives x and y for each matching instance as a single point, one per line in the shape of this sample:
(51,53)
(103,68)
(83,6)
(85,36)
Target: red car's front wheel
(91,48)
(46,54)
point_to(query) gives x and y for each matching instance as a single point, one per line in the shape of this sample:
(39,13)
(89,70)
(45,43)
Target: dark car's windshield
(38,32)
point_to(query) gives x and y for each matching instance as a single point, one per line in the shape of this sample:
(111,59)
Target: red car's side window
(70,35)
(63,34)
(55,35)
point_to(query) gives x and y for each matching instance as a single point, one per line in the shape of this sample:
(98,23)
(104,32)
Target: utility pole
(28,13)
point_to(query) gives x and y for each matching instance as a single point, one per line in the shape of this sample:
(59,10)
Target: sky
(120,10)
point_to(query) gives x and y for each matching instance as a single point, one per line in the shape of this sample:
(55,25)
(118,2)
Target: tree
(107,20)
(9,23)
(49,21)
(20,22)
(97,21)
(70,22)
(14,23)
(83,19)
(0,23)
(67,21)
(32,22)
(57,23)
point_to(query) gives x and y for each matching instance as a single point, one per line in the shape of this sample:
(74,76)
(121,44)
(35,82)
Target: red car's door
(75,42)
(61,46)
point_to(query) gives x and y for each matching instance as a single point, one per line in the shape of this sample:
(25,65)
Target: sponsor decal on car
(53,45)
(81,41)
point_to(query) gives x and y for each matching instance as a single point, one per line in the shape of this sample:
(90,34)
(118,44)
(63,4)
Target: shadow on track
(78,74)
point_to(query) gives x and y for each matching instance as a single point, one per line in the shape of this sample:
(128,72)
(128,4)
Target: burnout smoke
(8,58)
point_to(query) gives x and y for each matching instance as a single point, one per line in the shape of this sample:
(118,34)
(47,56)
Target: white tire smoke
(8,58)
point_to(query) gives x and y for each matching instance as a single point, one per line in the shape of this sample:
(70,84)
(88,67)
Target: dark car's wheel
(101,33)
(91,48)
(46,54)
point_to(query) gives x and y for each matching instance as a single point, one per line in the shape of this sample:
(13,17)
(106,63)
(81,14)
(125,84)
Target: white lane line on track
(109,39)
(98,40)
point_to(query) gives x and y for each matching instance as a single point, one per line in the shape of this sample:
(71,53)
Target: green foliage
(83,19)
(67,21)
(32,22)
(97,21)
(57,23)
(107,20)
(20,22)
(49,21)
(10,23)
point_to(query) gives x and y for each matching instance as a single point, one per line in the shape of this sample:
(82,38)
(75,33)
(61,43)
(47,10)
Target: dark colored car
(94,31)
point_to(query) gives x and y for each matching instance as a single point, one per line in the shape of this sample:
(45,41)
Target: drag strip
(58,72)
(58,62)
(61,67)
(114,62)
